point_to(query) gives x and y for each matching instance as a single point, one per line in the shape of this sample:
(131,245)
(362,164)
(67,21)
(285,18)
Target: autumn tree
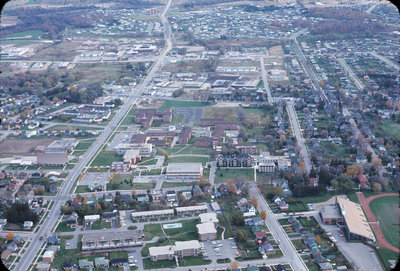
(10,236)
(289,229)
(97,208)
(254,201)
(263,214)
(377,187)
(234,265)
(376,162)
(232,187)
(133,192)
(302,165)
(282,138)
(318,239)
(354,170)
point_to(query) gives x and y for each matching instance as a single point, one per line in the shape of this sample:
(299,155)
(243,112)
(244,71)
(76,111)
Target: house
(242,202)
(269,249)
(119,262)
(142,197)
(170,195)
(216,208)
(324,266)
(186,194)
(197,191)
(5,255)
(71,220)
(67,266)
(283,206)
(108,216)
(52,240)
(223,188)
(28,225)
(311,244)
(100,262)
(260,234)
(257,221)
(85,264)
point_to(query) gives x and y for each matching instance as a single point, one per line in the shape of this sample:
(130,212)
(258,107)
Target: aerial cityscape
(200,135)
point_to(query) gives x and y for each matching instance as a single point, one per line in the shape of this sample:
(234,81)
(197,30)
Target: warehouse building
(184,171)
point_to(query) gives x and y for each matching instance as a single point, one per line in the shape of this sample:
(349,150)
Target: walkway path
(365,204)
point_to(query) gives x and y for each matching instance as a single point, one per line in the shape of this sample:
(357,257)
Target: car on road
(41,238)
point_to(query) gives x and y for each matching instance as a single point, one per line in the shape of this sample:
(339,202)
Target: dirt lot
(22,146)
(276,51)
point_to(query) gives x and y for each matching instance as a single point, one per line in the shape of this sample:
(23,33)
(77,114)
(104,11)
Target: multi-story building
(105,241)
(180,250)
(243,160)
(184,171)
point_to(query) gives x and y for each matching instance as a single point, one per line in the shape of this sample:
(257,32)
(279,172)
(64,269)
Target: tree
(254,201)
(232,187)
(334,184)
(263,214)
(302,165)
(10,236)
(97,208)
(377,187)
(282,138)
(20,212)
(318,239)
(240,236)
(133,192)
(238,218)
(234,265)
(354,170)
(278,191)
(376,162)
(289,229)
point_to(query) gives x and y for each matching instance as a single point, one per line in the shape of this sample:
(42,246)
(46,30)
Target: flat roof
(205,228)
(192,244)
(215,206)
(184,168)
(330,211)
(191,208)
(208,217)
(164,250)
(355,218)
(155,212)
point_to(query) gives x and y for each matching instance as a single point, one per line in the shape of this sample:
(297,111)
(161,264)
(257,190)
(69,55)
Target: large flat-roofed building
(180,249)
(104,241)
(206,231)
(152,214)
(144,149)
(191,209)
(208,217)
(330,214)
(184,171)
(52,158)
(355,222)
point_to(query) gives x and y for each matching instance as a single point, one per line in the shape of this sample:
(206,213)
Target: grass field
(387,211)
(176,184)
(223,175)
(170,104)
(339,151)
(226,113)
(73,128)
(63,228)
(387,255)
(105,158)
(391,128)
(188,159)
(30,35)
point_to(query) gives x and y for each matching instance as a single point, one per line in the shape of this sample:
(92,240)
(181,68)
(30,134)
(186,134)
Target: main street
(349,72)
(36,243)
(299,136)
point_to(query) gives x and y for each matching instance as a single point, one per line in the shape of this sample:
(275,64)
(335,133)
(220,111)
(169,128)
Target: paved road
(265,80)
(387,61)
(46,228)
(299,136)
(349,72)
(309,71)
(289,251)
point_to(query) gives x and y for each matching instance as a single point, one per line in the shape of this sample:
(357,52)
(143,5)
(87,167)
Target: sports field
(386,210)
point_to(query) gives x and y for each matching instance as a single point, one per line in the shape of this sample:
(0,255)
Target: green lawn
(386,255)
(35,34)
(146,161)
(149,264)
(190,261)
(131,228)
(63,228)
(82,189)
(391,128)
(73,128)
(223,175)
(188,159)
(84,145)
(386,210)
(105,158)
(98,225)
(152,230)
(174,103)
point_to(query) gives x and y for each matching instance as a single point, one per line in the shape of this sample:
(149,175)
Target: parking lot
(192,115)
(219,249)
(94,177)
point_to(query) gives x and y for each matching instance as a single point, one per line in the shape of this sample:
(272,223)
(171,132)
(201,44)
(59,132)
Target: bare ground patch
(22,146)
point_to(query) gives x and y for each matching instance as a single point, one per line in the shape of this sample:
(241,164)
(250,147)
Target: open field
(22,146)
(223,175)
(105,158)
(226,113)
(188,159)
(386,210)
(26,35)
(170,104)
